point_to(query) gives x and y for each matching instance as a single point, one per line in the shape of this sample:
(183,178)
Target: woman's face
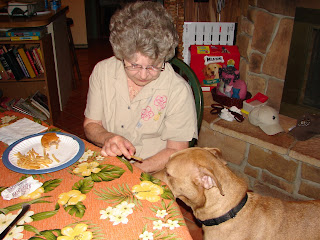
(142,70)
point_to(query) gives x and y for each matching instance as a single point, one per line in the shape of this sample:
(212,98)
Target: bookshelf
(45,83)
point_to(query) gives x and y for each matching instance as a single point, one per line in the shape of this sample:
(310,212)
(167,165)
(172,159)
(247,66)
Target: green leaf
(167,194)
(147,177)
(48,235)
(54,130)
(19,205)
(108,173)
(43,215)
(51,185)
(127,163)
(84,185)
(31,228)
(78,210)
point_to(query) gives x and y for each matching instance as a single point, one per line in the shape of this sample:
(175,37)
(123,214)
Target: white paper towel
(20,129)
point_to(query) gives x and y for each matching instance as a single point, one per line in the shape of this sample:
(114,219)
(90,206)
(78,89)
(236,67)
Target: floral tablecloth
(95,198)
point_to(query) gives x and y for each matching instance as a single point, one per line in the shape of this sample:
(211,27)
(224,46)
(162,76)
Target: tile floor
(71,118)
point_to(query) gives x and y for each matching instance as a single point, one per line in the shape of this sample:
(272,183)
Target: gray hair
(144,27)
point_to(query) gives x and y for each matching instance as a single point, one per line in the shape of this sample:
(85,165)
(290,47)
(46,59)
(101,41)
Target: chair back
(188,74)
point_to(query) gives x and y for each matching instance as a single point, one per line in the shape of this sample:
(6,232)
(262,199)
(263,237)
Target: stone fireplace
(275,165)
(264,39)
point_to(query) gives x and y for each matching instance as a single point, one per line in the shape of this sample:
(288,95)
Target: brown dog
(219,199)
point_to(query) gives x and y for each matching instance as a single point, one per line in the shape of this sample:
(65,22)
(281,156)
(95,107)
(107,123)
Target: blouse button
(129,107)
(122,126)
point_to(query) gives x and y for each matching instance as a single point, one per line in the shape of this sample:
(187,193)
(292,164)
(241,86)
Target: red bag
(206,60)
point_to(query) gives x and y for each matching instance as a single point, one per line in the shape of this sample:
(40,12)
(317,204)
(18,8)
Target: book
(41,108)
(37,60)
(20,61)
(26,32)
(31,62)
(24,38)
(13,63)
(41,99)
(26,62)
(33,111)
(17,107)
(5,64)
(3,73)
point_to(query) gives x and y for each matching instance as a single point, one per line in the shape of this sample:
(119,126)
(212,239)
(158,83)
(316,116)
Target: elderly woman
(137,104)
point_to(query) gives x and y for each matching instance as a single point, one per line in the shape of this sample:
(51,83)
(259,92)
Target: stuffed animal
(230,85)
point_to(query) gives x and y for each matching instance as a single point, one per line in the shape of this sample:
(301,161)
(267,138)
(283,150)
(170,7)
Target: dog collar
(231,214)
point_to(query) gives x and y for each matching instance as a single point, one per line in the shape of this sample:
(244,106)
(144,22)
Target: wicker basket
(227,101)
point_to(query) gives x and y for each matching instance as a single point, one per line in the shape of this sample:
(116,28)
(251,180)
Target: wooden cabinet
(45,83)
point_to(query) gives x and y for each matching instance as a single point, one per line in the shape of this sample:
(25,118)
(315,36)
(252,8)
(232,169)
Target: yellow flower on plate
(87,168)
(71,198)
(79,232)
(33,195)
(147,191)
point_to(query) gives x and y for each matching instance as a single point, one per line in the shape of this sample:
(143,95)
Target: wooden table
(95,198)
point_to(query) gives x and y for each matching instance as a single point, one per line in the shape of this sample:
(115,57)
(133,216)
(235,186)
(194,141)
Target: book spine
(39,61)
(23,68)
(41,108)
(31,62)
(24,38)
(26,62)
(5,64)
(3,73)
(13,64)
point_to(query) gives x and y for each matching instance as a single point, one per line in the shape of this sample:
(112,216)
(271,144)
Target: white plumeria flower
(99,158)
(161,213)
(158,225)
(89,153)
(5,220)
(26,218)
(125,207)
(86,155)
(172,224)
(105,214)
(7,119)
(15,233)
(118,217)
(146,236)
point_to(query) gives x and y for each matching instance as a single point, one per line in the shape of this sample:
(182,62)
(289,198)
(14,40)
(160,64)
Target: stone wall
(278,166)
(263,38)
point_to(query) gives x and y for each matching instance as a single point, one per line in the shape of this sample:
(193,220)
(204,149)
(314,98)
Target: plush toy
(230,85)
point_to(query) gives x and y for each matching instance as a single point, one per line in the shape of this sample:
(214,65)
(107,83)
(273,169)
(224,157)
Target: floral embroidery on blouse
(147,113)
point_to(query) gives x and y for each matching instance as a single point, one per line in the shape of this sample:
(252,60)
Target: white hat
(267,118)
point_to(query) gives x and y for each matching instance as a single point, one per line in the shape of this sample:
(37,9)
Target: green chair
(188,74)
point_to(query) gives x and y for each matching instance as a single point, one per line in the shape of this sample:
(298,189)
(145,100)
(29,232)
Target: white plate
(70,149)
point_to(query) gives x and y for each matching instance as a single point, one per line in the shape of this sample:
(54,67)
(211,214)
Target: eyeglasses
(138,67)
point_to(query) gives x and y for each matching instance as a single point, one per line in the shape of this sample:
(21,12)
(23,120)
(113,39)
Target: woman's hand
(111,144)
(115,145)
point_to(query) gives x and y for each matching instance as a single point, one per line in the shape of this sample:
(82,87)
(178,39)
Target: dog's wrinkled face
(188,174)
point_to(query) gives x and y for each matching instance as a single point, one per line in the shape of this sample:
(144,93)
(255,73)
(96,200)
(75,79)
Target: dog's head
(190,172)
(211,71)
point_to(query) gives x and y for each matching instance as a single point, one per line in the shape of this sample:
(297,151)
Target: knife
(25,208)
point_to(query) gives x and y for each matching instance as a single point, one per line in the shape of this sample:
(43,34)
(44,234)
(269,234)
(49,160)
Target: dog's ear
(207,180)
(217,153)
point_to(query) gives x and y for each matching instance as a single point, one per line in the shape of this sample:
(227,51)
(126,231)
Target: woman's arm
(158,161)
(111,144)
